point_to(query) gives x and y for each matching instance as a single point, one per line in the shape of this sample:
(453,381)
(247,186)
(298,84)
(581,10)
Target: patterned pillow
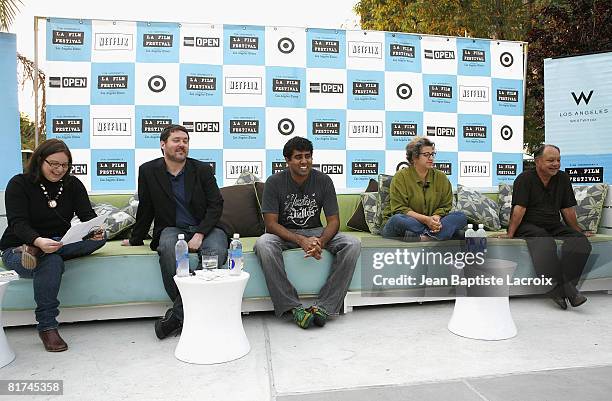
(504,202)
(247,178)
(116,221)
(369,200)
(590,199)
(384,185)
(477,208)
(132,208)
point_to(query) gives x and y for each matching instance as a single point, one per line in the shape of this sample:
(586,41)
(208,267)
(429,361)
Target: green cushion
(117,200)
(346,206)
(490,195)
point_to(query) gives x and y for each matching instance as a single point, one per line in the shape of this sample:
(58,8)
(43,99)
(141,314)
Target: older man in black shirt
(537,198)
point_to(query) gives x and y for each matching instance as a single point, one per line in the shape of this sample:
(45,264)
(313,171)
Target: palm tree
(8,11)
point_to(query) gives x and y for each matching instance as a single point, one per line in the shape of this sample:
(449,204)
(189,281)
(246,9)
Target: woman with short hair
(421,198)
(39,206)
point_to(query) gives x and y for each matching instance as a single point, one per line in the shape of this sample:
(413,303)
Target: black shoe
(559,301)
(558,297)
(577,300)
(167,325)
(574,297)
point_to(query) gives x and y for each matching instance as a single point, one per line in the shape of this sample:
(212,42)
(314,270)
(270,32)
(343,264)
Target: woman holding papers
(39,206)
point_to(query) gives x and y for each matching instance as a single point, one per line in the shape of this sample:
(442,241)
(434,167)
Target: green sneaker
(302,317)
(319,314)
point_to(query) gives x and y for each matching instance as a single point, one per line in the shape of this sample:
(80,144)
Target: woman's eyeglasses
(428,154)
(57,165)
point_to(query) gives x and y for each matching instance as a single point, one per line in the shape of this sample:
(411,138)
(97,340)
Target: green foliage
(552,28)
(561,28)
(496,19)
(8,11)
(27,129)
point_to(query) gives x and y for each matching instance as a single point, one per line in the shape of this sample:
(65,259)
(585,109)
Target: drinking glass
(210,261)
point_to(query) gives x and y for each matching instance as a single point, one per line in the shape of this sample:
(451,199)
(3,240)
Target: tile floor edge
(266,331)
(463,380)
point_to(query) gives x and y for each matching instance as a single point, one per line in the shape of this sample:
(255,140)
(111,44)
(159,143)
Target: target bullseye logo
(286,45)
(506,132)
(506,59)
(404,91)
(157,83)
(286,126)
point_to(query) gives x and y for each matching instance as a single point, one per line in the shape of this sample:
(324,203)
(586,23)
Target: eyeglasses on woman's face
(57,165)
(428,154)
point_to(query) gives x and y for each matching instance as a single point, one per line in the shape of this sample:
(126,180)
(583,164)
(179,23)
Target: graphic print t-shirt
(299,207)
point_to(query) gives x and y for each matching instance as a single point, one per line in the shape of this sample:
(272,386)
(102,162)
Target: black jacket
(28,215)
(157,202)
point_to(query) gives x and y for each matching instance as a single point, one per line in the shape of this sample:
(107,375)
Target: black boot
(167,325)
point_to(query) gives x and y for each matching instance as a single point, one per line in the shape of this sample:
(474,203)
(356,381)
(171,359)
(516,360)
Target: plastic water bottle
(481,239)
(470,240)
(181,251)
(234,257)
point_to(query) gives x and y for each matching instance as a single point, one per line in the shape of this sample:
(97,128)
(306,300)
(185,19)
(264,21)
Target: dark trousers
(215,240)
(575,251)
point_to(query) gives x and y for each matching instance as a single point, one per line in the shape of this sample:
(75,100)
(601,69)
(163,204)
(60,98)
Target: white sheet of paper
(9,275)
(78,231)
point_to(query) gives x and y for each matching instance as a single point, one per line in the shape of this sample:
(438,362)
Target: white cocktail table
(212,327)
(486,317)
(6,353)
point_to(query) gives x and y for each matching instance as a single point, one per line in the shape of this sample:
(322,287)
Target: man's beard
(173,157)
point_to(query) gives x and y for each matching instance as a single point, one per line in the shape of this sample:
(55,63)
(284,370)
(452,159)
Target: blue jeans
(47,277)
(216,240)
(398,224)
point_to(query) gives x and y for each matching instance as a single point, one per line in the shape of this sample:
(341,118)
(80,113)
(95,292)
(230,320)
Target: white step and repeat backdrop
(578,115)
(243,91)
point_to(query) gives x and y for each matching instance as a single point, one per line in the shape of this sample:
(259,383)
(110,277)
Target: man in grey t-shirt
(292,204)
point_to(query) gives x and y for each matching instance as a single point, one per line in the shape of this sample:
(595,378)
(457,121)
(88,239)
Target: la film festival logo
(327,127)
